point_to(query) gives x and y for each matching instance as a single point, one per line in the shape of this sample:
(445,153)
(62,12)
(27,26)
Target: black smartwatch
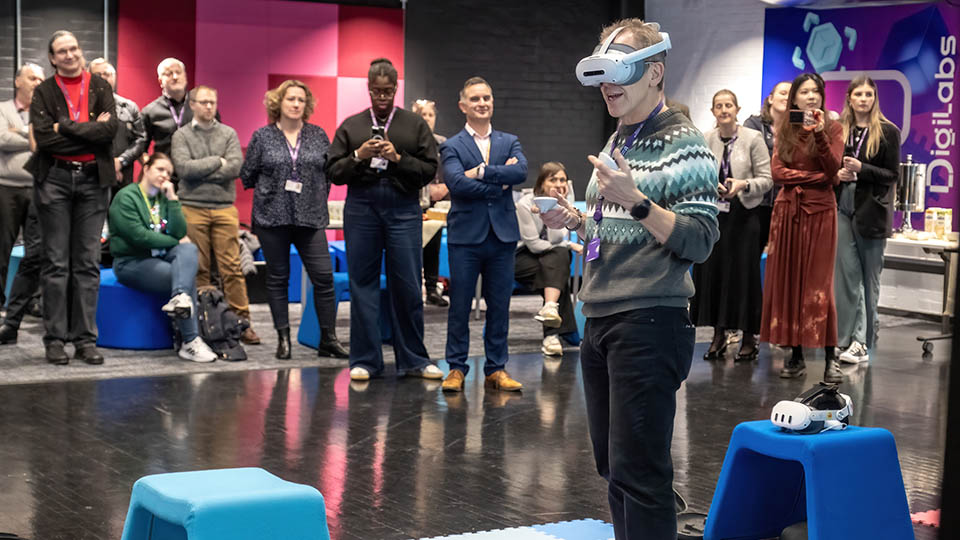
(641,210)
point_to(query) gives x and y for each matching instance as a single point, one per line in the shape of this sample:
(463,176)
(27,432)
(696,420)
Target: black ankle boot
(831,372)
(330,345)
(795,366)
(283,343)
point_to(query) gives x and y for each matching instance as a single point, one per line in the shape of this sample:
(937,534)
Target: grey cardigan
(14,148)
(749,160)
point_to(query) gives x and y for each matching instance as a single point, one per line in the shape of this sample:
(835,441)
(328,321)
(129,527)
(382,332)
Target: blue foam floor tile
(582,529)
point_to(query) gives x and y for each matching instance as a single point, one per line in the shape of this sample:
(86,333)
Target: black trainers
(434,298)
(8,335)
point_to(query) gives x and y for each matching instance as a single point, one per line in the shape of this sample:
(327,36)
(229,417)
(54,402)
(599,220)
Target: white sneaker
(855,354)
(549,315)
(197,350)
(359,374)
(552,346)
(179,307)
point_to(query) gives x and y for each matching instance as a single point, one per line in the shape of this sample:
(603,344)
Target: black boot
(330,345)
(831,372)
(795,366)
(283,345)
(8,335)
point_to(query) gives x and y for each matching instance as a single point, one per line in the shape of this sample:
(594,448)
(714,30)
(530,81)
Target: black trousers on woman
(312,245)
(548,269)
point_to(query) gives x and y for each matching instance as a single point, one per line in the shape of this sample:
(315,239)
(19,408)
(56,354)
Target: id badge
(378,163)
(293,185)
(723,206)
(593,249)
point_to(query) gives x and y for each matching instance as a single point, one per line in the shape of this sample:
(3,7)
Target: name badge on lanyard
(378,162)
(593,246)
(293,185)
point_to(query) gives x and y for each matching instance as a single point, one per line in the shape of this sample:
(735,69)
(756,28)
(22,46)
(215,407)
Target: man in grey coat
(17,212)
(207,158)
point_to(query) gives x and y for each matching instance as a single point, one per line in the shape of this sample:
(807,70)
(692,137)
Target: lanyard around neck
(863,137)
(386,127)
(84,83)
(727,150)
(153,210)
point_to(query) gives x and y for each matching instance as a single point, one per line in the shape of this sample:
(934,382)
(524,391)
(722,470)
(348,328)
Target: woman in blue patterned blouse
(284,164)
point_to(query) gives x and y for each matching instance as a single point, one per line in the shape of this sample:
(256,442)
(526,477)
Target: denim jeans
(633,364)
(174,273)
(71,206)
(26,282)
(857,283)
(379,220)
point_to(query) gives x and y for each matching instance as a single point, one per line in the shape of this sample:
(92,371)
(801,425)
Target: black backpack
(220,328)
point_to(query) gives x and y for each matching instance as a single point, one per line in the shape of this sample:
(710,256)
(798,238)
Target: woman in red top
(798,301)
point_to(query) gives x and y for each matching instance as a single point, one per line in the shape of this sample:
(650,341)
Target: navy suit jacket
(477,204)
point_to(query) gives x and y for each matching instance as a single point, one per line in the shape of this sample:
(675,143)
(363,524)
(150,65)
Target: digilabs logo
(945,137)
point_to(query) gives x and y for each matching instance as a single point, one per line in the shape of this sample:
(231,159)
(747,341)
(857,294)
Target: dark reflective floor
(397,458)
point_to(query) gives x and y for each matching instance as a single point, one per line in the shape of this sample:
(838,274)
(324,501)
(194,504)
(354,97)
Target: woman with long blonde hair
(864,216)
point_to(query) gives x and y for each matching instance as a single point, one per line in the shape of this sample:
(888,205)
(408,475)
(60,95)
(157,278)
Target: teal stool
(239,504)
(16,255)
(845,484)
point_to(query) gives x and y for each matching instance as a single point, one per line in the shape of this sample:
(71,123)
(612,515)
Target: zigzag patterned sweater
(672,165)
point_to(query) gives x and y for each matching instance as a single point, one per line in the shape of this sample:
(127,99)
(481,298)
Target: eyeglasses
(205,103)
(383,93)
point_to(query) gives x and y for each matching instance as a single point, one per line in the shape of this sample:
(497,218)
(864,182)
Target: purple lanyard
(173,111)
(386,127)
(598,212)
(725,161)
(84,81)
(294,152)
(863,137)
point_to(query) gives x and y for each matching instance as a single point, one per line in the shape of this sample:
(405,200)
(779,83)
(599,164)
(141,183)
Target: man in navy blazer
(479,166)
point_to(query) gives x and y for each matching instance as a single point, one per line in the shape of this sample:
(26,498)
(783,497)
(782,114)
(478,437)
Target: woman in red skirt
(798,301)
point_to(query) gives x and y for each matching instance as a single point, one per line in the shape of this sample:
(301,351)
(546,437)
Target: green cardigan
(130,232)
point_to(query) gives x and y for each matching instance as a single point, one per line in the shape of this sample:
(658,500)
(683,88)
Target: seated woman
(543,260)
(151,251)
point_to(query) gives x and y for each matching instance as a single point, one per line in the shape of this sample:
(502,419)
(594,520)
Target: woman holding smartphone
(864,215)
(728,286)
(799,309)
(385,155)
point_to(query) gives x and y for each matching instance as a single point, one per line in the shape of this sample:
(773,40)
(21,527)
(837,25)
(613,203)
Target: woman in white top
(543,260)
(729,294)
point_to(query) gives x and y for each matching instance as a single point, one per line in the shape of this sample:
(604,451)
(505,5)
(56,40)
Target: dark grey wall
(41,18)
(528,52)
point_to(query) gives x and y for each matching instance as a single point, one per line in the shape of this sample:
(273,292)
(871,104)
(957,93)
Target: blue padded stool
(239,504)
(16,255)
(309,332)
(131,319)
(844,484)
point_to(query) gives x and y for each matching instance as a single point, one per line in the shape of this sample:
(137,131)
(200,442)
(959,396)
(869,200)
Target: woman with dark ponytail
(384,155)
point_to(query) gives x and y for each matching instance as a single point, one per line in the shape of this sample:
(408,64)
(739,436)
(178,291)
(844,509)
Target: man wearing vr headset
(651,214)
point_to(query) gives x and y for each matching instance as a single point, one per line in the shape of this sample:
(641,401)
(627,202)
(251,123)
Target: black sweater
(876,181)
(49,107)
(410,135)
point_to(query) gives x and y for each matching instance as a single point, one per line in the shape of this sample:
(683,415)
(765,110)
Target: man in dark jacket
(73,126)
(129,137)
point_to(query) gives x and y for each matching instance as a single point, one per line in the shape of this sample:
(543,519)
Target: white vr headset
(616,63)
(814,411)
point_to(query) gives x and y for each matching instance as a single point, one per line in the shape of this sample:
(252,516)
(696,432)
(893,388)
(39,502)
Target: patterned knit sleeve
(691,171)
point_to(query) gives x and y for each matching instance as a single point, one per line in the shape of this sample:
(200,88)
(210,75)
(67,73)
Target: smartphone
(796,117)
(378,133)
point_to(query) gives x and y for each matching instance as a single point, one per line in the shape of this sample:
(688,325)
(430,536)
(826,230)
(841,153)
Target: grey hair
(162,66)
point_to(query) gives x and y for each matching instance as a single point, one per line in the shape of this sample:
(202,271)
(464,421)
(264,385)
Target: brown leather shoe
(250,337)
(501,380)
(454,381)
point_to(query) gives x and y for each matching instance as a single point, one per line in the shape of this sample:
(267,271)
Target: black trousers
(312,245)
(26,283)
(431,262)
(633,364)
(548,269)
(72,206)
(14,203)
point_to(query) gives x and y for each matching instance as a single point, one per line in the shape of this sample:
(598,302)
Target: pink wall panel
(367,33)
(324,90)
